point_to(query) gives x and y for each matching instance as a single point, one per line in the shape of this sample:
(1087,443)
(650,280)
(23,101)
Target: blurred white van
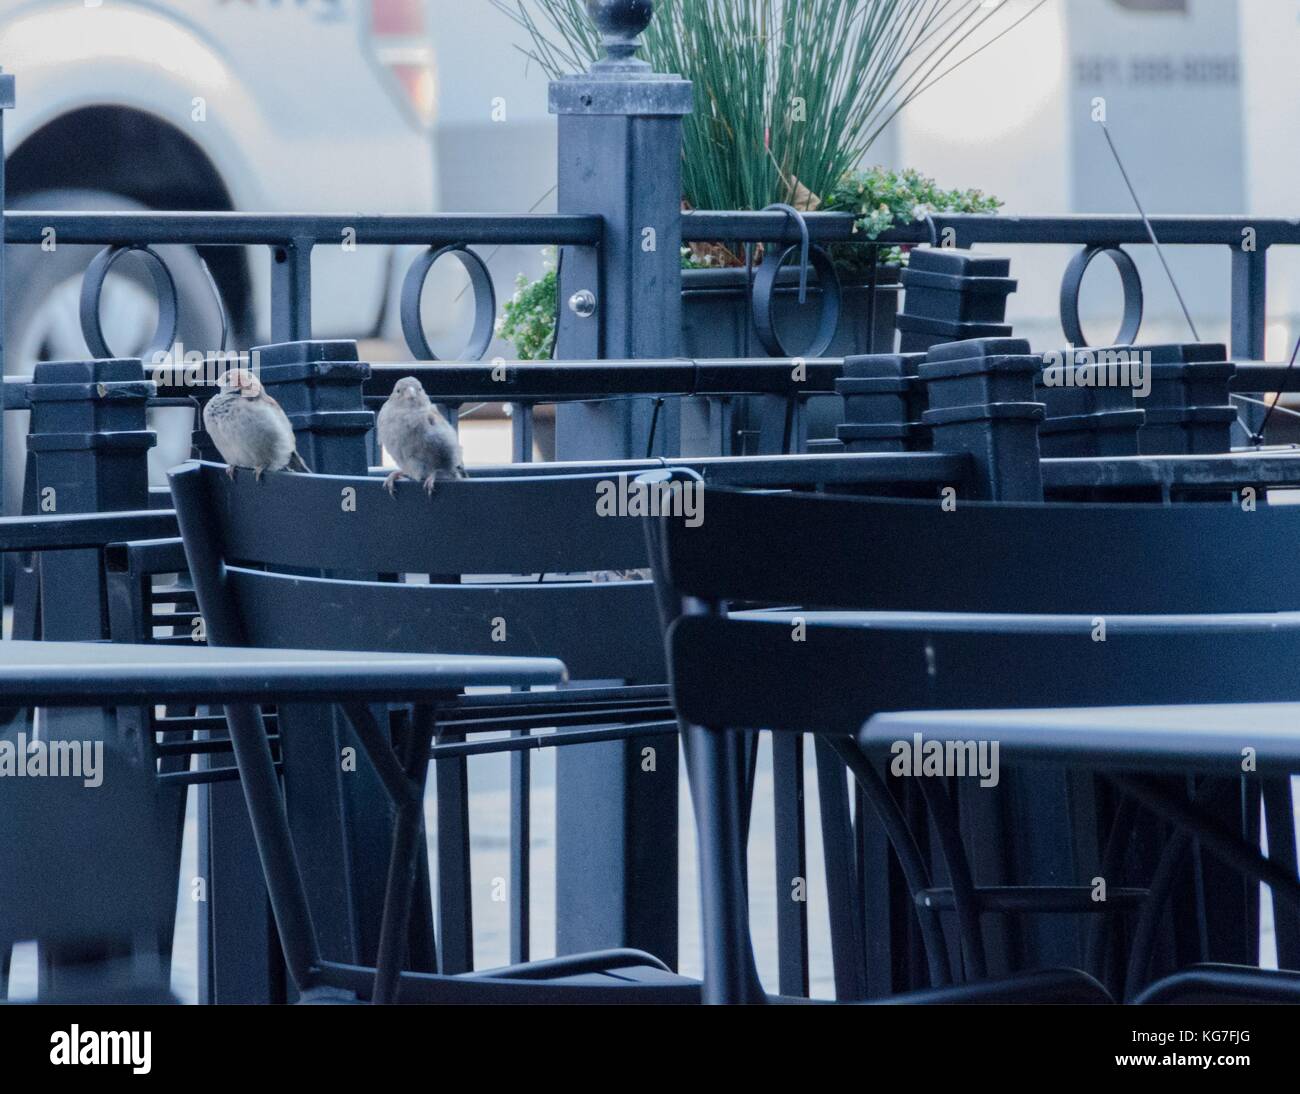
(253,105)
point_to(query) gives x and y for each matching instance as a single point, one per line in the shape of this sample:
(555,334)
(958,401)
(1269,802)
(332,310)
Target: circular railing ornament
(92,288)
(485,302)
(764,289)
(765,280)
(1130,280)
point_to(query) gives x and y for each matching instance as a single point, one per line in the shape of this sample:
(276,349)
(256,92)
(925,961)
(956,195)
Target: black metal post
(6,102)
(982,401)
(1249,290)
(89,448)
(88,440)
(620,157)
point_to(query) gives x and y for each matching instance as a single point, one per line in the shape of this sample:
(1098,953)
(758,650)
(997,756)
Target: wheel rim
(53,331)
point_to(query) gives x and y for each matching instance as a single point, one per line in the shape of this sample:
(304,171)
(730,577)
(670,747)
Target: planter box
(717,322)
(716,319)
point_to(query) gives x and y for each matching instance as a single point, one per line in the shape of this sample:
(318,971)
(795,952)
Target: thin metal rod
(408,830)
(281,229)
(910,860)
(1259,434)
(1264,402)
(549,740)
(1146,221)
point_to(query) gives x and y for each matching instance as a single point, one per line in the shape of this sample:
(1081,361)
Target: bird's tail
(296,464)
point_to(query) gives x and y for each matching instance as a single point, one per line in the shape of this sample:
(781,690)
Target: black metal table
(1201,739)
(1130,744)
(88,674)
(105,674)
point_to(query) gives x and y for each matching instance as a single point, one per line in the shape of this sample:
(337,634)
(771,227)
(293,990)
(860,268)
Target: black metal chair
(261,581)
(899,579)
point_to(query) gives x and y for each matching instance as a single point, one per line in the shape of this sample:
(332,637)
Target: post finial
(620,23)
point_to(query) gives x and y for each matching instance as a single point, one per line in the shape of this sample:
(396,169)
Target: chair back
(493,566)
(986,605)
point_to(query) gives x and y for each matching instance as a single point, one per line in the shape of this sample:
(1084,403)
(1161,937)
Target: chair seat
(615,704)
(602,977)
(640,975)
(1219,984)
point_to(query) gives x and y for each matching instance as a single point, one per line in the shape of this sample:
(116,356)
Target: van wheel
(42,320)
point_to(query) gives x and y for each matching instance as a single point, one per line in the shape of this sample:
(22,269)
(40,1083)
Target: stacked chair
(260,583)
(251,578)
(981,607)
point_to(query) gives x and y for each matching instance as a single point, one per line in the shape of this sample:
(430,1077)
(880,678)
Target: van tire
(32,275)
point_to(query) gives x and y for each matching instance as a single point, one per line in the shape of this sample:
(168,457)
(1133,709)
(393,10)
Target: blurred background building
(424,105)
(1202,96)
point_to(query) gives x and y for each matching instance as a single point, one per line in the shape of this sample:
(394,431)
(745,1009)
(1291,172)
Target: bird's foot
(390,483)
(430,483)
(230,472)
(257,473)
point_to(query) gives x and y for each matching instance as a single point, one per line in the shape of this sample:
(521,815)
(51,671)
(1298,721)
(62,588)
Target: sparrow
(421,441)
(249,428)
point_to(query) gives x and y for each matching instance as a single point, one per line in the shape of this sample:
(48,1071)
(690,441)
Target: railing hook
(805,243)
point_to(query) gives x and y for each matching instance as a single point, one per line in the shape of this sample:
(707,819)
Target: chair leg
(1279,813)
(1194,821)
(455,903)
(946,829)
(274,842)
(403,861)
(791,862)
(717,770)
(1112,860)
(909,856)
(1144,934)
(848,948)
(1216,839)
